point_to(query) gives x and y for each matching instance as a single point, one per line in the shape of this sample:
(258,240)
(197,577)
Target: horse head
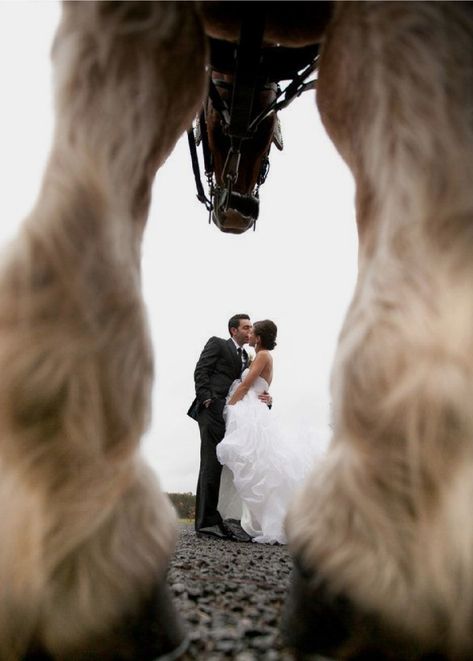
(235,198)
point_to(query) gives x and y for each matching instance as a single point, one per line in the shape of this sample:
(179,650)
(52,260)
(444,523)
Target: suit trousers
(212,431)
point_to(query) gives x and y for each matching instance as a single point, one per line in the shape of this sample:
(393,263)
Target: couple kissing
(239,434)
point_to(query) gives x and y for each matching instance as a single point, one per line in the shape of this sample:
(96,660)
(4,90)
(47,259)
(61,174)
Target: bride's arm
(257,366)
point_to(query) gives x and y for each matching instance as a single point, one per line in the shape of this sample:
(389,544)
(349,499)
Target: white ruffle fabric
(263,466)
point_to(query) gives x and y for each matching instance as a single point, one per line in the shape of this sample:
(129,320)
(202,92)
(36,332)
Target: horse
(381,532)
(239,120)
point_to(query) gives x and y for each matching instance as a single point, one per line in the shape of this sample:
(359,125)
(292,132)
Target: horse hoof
(155,632)
(316,621)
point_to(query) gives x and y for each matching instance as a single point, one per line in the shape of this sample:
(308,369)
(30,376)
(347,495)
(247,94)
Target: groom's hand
(266,398)
(207,403)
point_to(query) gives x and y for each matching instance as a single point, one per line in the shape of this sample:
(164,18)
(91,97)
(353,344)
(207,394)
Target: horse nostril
(246,205)
(234,213)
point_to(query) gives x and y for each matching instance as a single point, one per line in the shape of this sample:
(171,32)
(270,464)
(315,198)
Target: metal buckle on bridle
(230,169)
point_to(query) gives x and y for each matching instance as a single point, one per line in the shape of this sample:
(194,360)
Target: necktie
(240,354)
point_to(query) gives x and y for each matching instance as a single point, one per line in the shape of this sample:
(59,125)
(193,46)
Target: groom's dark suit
(218,366)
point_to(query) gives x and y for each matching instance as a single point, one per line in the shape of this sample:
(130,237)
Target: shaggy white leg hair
(85,531)
(387,519)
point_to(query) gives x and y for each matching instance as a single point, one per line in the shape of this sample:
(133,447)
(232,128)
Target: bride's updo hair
(267,332)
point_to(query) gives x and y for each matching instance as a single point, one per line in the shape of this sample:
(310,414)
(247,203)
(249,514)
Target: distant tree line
(184,504)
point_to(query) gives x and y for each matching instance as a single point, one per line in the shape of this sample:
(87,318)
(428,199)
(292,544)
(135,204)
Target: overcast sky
(298,268)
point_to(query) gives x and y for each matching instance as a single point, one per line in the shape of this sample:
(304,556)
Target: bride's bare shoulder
(265,357)
(264,354)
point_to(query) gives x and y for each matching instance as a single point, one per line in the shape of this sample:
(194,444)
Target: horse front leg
(382,533)
(86,533)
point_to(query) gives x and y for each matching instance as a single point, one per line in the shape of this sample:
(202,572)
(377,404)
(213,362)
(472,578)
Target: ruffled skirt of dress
(266,467)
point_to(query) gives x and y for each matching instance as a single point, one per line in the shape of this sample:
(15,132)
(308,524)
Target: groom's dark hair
(234,322)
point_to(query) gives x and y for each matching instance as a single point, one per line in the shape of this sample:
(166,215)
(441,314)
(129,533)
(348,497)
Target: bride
(262,467)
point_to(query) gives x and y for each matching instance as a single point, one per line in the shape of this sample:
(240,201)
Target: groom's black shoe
(218,531)
(237,531)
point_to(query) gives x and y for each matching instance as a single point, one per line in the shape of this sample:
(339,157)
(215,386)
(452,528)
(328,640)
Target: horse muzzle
(235,213)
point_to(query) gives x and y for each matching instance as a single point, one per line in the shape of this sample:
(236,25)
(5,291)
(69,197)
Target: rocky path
(231,596)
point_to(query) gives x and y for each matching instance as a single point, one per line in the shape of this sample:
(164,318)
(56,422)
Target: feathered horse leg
(86,533)
(382,532)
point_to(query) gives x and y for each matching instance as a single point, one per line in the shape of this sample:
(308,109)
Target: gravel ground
(231,595)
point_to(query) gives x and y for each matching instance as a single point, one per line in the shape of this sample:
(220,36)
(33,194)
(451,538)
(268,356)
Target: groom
(221,362)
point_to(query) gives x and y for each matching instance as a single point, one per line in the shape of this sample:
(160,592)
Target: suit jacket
(218,366)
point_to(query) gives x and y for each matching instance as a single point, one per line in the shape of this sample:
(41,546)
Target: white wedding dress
(262,466)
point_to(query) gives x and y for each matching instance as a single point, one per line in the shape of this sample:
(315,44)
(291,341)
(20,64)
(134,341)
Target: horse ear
(277,135)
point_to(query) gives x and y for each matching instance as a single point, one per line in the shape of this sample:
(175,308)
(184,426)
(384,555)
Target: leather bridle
(255,69)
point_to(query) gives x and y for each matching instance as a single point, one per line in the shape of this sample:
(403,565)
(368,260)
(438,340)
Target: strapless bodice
(259,385)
